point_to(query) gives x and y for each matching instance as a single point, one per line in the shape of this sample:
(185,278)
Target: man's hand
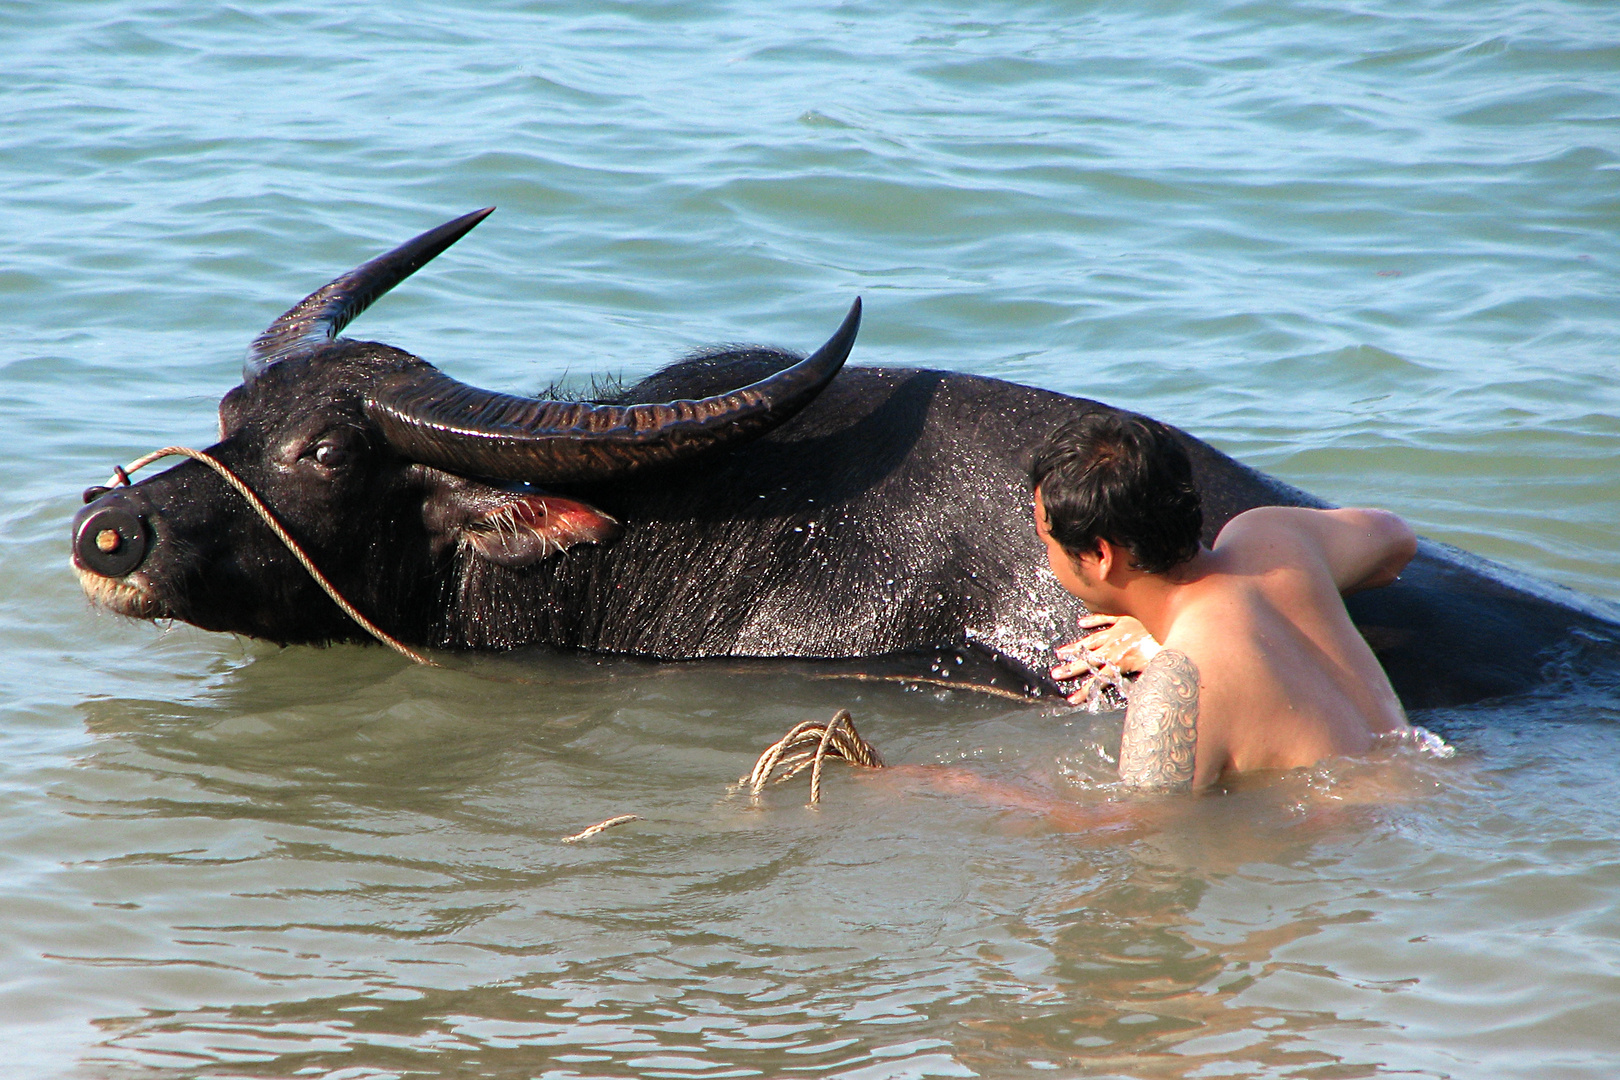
(1118,645)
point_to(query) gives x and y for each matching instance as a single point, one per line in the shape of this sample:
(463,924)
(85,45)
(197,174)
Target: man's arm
(1159,747)
(1094,822)
(1363,549)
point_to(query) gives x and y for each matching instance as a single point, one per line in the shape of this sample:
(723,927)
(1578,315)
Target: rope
(121,479)
(836,738)
(584,834)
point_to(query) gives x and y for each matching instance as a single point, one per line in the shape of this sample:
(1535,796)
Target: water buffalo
(742,503)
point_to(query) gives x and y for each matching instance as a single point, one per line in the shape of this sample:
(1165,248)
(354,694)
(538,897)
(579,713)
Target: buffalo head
(390,474)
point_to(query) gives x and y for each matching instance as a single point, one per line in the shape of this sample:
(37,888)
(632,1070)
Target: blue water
(1370,247)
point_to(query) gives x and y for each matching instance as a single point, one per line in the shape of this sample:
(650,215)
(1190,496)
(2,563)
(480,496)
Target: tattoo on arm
(1161,725)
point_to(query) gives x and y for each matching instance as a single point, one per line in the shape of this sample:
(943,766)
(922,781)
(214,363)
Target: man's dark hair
(1123,478)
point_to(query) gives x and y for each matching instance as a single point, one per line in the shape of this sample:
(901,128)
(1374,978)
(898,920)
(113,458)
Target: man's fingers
(1073,670)
(1082,693)
(1111,649)
(1120,646)
(1074,650)
(1097,620)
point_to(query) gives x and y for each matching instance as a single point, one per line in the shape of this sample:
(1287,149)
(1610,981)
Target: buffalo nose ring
(112,542)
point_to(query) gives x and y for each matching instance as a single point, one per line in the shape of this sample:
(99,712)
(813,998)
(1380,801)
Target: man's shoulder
(1274,538)
(1267,526)
(1351,546)
(1228,612)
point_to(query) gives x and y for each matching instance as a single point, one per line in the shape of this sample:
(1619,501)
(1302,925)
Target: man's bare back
(1260,666)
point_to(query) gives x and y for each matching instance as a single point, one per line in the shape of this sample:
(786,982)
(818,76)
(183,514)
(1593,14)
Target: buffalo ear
(527,528)
(510,526)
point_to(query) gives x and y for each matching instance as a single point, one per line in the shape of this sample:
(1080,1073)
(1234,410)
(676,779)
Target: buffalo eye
(330,455)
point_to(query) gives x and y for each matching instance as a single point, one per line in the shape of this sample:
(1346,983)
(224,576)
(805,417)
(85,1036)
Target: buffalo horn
(434,419)
(322,315)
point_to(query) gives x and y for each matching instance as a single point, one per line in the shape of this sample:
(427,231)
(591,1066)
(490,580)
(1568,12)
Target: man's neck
(1154,600)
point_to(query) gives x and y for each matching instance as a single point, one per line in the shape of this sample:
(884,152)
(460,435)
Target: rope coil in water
(835,738)
(120,478)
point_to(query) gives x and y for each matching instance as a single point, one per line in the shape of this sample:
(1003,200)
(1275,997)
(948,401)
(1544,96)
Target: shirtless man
(1260,666)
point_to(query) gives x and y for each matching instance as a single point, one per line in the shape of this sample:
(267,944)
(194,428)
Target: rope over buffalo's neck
(121,479)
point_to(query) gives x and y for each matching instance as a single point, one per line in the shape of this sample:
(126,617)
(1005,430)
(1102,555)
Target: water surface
(1370,248)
